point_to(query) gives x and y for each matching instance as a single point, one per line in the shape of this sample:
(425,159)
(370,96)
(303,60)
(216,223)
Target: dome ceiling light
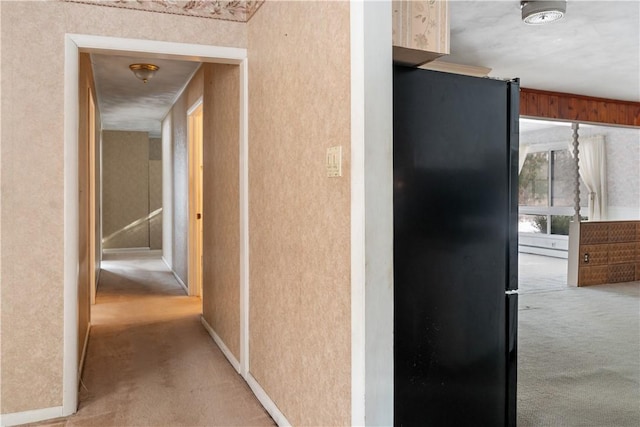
(542,12)
(144,71)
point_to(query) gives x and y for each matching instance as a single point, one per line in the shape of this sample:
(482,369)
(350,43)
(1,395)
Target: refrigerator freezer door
(512,354)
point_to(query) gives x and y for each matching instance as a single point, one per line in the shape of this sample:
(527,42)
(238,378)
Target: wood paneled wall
(565,106)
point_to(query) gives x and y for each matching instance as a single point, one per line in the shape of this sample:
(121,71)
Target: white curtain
(592,161)
(522,154)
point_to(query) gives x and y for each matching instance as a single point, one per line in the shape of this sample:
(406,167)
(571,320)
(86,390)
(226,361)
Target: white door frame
(74,44)
(194,144)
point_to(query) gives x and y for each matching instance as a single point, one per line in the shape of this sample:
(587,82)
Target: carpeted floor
(579,350)
(150,362)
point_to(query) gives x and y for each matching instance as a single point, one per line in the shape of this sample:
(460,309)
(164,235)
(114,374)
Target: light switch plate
(334,161)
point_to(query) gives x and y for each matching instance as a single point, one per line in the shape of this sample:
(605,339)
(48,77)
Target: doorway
(93,248)
(194,136)
(72,231)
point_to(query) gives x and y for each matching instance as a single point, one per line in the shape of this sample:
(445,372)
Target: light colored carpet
(151,363)
(579,352)
(539,273)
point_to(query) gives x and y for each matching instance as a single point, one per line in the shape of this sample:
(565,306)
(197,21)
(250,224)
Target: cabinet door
(420,31)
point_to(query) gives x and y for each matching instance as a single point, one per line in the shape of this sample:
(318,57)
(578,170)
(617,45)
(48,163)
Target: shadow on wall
(135,230)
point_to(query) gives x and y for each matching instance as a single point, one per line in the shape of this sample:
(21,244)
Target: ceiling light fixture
(144,71)
(542,12)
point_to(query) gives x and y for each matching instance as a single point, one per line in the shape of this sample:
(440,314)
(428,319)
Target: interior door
(92,198)
(195,198)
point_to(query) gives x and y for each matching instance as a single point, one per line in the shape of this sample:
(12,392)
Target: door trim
(194,245)
(74,44)
(371,214)
(244,219)
(92,197)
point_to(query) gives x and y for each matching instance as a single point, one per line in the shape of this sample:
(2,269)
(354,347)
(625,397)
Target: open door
(194,116)
(92,198)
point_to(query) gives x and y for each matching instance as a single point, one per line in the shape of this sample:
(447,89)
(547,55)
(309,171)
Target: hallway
(149,359)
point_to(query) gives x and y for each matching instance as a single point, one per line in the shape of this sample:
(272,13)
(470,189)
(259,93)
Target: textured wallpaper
(155,149)
(181,175)
(221,210)
(418,25)
(128,168)
(299,220)
(155,204)
(125,184)
(623,164)
(180,189)
(32,187)
(155,193)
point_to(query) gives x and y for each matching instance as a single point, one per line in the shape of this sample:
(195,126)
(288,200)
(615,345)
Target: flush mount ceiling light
(144,71)
(542,12)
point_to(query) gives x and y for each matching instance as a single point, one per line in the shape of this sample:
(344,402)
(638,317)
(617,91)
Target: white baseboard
(98,271)
(225,350)
(125,250)
(259,392)
(178,279)
(266,401)
(535,250)
(117,253)
(180,282)
(32,416)
(83,356)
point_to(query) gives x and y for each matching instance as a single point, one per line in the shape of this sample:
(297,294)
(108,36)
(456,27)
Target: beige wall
(299,220)
(180,188)
(32,165)
(167,190)
(177,118)
(155,192)
(132,181)
(125,186)
(221,215)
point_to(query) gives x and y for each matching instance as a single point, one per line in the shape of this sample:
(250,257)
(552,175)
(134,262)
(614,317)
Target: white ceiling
(532,125)
(126,103)
(594,51)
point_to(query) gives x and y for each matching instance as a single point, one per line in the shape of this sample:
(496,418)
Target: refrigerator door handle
(513,159)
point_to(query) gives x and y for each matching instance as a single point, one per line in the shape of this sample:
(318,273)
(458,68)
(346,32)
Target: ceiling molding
(238,11)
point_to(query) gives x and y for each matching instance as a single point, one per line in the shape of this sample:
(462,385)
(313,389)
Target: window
(534,180)
(546,191)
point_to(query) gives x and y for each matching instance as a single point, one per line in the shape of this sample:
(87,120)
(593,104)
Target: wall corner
(372,213)
(573,254)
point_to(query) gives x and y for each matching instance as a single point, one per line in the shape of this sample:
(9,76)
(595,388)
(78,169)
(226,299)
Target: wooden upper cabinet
(420,31)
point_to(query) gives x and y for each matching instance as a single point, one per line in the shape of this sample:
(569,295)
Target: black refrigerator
(455,161)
